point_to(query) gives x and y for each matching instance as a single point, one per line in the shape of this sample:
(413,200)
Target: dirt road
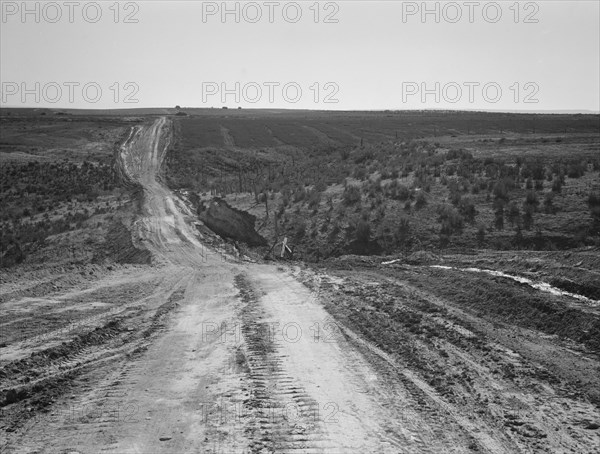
(224,356)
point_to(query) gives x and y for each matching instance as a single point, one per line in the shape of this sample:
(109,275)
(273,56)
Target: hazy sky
(364,54)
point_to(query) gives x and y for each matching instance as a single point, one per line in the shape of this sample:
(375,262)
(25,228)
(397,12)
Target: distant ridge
(235,111)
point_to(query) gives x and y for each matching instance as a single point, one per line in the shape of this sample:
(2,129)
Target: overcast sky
(362,54)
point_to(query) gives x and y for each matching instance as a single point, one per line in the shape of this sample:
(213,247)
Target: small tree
(499,218)
(501,191)
(481,234)
(499,214)
(300,229)
(450,219)
(528,217)
(518,240)
(467,209)
(363,232)
(594,206)
(351,195)
(402,231)
(531,200)
(548,203)
(556,185)
(513,213)
(529,183)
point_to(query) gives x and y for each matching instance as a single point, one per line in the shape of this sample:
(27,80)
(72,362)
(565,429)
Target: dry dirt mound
(229,222)
(422,257)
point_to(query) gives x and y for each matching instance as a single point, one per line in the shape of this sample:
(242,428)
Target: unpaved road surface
(201,352)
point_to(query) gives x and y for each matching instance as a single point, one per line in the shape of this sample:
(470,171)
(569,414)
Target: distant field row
(316,130)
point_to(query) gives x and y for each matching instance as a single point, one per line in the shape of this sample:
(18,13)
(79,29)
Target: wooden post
(266,203)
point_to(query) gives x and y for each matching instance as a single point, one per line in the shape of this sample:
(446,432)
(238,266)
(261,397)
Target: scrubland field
(444,268)
(339,183)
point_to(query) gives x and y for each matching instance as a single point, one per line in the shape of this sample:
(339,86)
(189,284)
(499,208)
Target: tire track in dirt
(284,418)
(422,392)
(62,316)
(35,382)
(358,410)
(492,389)
(426,422)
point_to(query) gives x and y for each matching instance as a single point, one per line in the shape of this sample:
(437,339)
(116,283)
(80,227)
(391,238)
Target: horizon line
(386,110)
